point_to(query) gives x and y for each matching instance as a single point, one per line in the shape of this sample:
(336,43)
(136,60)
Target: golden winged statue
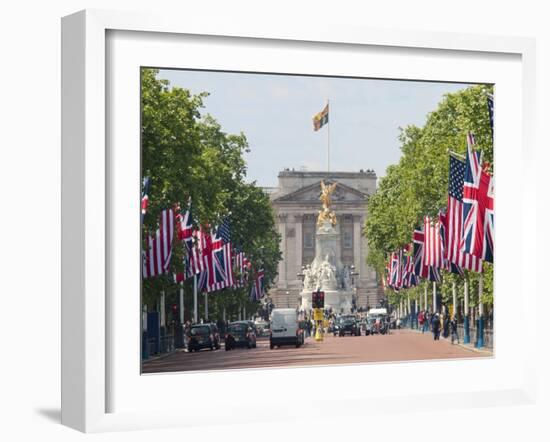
(326,214)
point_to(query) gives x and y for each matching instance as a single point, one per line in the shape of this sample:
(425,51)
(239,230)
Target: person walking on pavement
(454,330)
(436,326)
(421,319)
(446,326)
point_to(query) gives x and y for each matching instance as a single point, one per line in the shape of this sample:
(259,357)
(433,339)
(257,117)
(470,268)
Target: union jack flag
(394,271)
(257,289)
(156,258)
(204,245)
(188,235)
(478,212)
(221,258)
(145,196)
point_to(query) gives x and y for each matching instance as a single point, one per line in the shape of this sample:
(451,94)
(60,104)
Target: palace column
(298,220)
(357,261)
(283,263)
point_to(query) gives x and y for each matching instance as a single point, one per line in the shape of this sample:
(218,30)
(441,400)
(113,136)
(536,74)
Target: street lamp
(301,277)
(353,274)
(287,293)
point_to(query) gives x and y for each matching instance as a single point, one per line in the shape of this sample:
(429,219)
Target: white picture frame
(87,218)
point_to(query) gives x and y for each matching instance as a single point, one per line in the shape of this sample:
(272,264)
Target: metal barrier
(167,344)
(487,334)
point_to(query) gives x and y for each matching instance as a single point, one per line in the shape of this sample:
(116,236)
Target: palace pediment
(310,194)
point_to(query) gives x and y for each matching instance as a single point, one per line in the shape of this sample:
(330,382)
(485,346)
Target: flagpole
(182,305)
(195,303)
(328,138)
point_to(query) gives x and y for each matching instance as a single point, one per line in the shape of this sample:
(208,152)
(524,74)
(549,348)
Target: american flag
(257,289)
(433,247)
(156,257)
(145,196)
(240,265)
(448,265)
(478,212)
(452,222)
(421,269)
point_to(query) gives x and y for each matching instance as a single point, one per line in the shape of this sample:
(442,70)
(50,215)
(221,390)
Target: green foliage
(187,155)
(417,185)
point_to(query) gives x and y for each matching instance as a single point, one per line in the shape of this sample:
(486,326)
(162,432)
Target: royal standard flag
(320,119)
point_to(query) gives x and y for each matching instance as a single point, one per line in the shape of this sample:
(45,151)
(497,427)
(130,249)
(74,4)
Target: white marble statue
(308,278)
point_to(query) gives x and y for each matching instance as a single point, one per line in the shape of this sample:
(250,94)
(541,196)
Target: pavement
(399,345)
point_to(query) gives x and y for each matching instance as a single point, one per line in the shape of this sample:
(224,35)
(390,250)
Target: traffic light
(318,299)
(175,312)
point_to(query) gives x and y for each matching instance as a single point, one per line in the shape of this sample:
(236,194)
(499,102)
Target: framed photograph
(223,190)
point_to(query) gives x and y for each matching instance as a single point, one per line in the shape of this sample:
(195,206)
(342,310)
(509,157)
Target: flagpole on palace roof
(328,138)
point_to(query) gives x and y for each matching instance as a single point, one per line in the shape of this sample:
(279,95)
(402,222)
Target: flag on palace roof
(478,212)
(320,119)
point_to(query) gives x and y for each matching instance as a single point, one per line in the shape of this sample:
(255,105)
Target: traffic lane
(399,345)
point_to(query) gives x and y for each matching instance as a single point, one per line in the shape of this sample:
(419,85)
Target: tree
(417,185)
(187,155)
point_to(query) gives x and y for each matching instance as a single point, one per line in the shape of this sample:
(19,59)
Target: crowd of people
(439,324)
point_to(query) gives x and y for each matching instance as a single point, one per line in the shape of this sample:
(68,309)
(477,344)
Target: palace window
(348,239)
(308,240)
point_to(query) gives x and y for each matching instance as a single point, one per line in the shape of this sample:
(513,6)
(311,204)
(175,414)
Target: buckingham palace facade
(296,206)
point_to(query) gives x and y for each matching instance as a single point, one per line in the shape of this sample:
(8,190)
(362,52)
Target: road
(400,345)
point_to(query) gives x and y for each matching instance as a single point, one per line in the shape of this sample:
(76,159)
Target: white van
(285,328)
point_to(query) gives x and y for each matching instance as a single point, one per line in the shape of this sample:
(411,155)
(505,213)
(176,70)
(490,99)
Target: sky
(275,113)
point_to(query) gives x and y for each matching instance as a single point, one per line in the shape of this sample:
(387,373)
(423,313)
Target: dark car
(379,325)
(347,325)
(203,336)
(240,334)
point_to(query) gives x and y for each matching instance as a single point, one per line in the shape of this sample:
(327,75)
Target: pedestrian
(421,319)
(446,326)
(436,326)
(454,330)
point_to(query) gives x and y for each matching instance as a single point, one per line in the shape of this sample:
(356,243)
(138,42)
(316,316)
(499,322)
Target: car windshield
(201,330)
(288,319)
(237,327)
